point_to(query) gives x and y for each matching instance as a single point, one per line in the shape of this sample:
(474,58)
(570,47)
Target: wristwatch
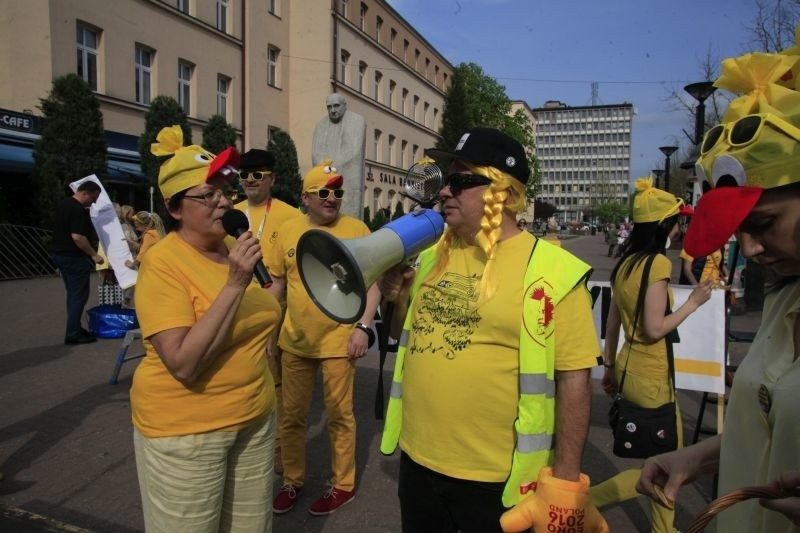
(368,330)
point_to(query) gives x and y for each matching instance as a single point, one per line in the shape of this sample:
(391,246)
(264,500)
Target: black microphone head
(235,222)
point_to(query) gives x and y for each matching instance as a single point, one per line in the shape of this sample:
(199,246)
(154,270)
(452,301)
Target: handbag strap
(639,303)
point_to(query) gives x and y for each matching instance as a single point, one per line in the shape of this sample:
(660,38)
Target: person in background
(202,399)
(310,341)
(151,229)
(266,216)
(752,161)
(74,253)
(491,393)
(611,238)
(643,356)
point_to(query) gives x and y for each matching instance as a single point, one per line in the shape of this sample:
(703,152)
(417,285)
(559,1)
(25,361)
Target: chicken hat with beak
(189,166)
(756,147)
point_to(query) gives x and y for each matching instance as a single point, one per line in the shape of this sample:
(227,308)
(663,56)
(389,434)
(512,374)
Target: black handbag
(642,432)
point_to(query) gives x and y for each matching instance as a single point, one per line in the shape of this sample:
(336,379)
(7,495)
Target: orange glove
(557,505)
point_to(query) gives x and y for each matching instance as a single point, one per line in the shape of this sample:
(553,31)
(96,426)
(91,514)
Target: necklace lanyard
(264,219)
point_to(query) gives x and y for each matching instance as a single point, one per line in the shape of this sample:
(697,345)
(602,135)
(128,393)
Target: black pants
(611,247)
(431,502)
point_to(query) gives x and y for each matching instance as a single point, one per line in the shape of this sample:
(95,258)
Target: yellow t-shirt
(149,238)
(265,224)
(306,330)
(176,286)
(648,358)
(461,371)
(711,268)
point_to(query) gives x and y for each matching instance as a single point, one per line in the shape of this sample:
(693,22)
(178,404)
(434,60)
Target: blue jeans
(75,272)
(432,502)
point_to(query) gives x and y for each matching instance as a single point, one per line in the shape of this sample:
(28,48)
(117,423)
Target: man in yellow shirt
(309,340)
(491,393)
(266,216)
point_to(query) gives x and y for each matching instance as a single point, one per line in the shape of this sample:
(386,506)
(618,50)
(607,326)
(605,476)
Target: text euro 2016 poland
(565,520)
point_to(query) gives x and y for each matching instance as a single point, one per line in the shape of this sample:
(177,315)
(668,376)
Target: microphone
(235,223)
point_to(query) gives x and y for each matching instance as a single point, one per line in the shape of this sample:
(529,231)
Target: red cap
(224,164)
(686,211)
(718,215)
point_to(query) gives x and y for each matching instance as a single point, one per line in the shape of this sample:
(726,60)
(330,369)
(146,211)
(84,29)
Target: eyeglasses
(746,130)
(211,198)
(323,193)
(256,175)
(459,182)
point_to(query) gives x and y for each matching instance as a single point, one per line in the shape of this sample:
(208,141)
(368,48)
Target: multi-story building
(260,65)
(584,155)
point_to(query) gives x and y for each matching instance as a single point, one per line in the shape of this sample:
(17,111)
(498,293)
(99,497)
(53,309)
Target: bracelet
(609,366)
(370,334)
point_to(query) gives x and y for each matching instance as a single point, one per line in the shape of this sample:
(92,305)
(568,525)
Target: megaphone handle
(383,347)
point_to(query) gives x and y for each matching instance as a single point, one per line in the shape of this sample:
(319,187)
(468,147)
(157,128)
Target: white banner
(700,354)
(109,231)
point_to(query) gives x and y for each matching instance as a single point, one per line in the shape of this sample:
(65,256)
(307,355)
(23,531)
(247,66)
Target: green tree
(477,100)
(71,145)
(164,111)
(366,216)
(612,212)
(218,135)
(543,210)
(288,183)
(379,221)
(398,210)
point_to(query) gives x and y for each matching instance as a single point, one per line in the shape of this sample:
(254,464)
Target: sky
(638,51)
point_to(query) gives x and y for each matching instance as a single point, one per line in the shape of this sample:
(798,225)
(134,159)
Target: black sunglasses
(459,182)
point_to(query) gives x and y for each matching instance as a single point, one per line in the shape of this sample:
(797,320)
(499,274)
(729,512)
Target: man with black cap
(266,216)
(491,393)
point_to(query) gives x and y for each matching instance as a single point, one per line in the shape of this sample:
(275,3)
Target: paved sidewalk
(65,433)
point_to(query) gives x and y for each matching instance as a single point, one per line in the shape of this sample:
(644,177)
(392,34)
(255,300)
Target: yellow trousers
(646,392)
(298,376)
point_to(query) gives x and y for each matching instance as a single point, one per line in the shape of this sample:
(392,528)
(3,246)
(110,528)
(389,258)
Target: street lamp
(667,151)
(700,91)
(657,172)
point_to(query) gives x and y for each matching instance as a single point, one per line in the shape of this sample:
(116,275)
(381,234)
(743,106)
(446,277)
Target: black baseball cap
(488,147)
(256,159)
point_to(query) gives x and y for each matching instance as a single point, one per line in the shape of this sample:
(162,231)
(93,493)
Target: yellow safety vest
(551,274)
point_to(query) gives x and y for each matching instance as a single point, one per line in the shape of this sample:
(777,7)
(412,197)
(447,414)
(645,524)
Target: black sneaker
(83,338)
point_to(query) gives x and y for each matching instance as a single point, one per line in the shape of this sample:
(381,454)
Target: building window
(392,39)
(223,85)
(416,59)
(272,7)
(425,107)
(362,22)
(143,61)
(391,150)
(414,109)
(271,131)
(88,41)
(427,67)
(415,153)
(343,8)
(378,79)
(436,75)
(377,145)
(183,6)
(273,56)
(435,117)
(403,154)
(362,74)
(222,15)
(185,71)
(392,88)
(405,50)
(344,58)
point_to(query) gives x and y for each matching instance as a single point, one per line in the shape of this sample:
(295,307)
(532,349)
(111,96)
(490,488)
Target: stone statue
(341,136)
